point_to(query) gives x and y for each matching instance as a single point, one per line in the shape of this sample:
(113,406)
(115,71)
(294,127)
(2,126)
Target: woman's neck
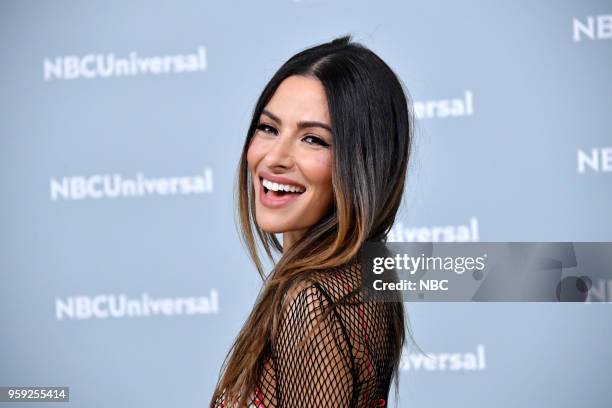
(290,238)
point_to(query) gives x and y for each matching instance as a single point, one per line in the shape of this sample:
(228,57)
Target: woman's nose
(281,153)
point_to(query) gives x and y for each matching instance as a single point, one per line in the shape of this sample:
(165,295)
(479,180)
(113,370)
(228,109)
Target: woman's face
(290,157)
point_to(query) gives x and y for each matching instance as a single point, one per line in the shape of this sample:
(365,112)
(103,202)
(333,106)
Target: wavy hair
(372,129)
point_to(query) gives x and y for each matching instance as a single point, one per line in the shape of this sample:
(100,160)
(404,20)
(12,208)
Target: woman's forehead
(299,99)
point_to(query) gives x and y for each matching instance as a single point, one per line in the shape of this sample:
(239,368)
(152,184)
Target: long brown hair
(372,130)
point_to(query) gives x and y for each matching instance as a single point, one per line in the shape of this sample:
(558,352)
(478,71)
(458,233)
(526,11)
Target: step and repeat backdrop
(121,272)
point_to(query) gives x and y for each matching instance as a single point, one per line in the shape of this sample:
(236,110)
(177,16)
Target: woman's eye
(310,139)
(266,128)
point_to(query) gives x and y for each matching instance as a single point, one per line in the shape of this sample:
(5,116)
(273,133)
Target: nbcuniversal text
(105,306)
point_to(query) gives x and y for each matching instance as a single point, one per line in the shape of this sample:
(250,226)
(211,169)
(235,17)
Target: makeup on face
(290,157)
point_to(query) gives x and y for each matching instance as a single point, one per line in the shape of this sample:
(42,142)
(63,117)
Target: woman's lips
(278,179)
(272,201)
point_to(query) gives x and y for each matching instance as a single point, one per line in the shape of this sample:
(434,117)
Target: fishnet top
(346,362)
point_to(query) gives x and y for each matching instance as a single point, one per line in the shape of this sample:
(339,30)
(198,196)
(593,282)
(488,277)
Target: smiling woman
(324,164)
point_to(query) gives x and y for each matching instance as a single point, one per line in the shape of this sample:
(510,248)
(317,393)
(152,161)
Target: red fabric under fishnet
(348,360)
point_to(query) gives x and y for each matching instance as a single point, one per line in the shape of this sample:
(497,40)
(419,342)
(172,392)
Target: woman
(324,164)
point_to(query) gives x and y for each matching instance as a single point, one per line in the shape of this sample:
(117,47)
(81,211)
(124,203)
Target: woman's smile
(276,191)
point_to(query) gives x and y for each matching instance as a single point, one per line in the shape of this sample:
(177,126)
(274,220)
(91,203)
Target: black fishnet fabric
(346,361)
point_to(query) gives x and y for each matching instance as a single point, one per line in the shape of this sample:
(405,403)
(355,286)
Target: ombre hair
(372,130)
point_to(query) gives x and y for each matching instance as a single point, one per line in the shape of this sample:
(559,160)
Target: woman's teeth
(281,187)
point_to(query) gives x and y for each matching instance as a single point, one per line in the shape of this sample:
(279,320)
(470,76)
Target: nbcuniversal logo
(445,361)
(468,232)
(592,28)
(108,65)
(112,186)
(445,108)
(597,160)
(121,306)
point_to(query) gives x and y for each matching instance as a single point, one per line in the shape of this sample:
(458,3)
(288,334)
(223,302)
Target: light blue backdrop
(121,273)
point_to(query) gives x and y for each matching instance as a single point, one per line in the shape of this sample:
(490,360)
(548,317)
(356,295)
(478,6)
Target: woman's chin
(272,227)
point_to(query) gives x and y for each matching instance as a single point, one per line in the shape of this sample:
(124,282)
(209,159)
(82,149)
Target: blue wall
(121,273)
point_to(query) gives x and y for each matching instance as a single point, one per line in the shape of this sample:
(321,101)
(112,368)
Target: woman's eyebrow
(301,125)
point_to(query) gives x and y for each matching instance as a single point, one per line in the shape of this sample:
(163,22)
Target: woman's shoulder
(330,284)
(342,284)
(341,288)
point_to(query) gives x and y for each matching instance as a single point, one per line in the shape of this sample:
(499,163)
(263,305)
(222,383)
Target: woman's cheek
(255,152)
(319,168)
